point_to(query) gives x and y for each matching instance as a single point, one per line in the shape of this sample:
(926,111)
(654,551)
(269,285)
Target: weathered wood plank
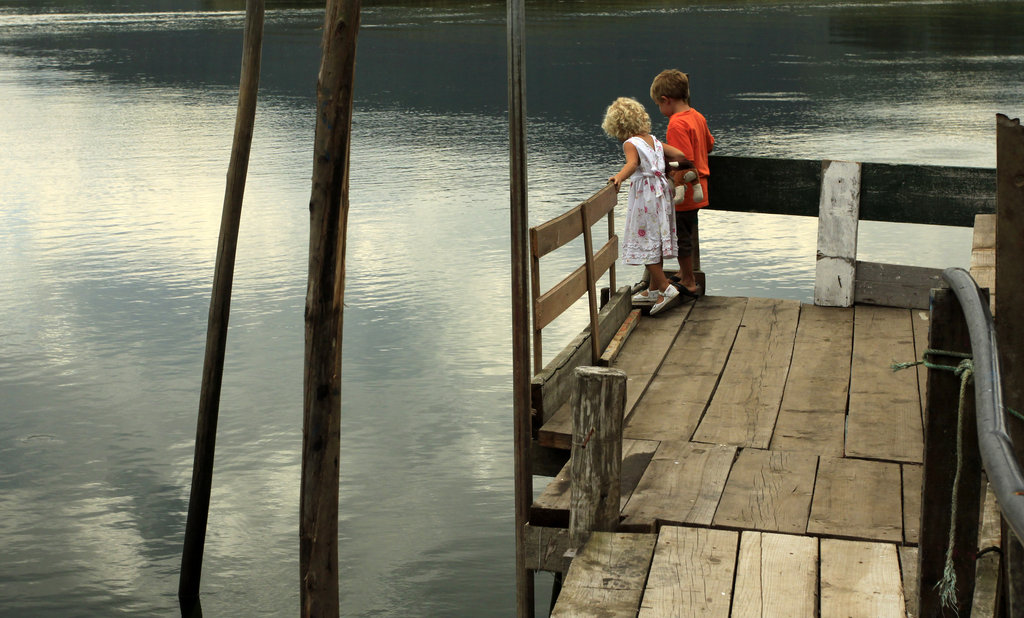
(776,575)
(612,351)
(885,414)
(888,192)
(838,212)
(911,503)
(812,416)
(856,498)
(890,285)
(983,255)
(768,490)
(682,485)
(607,577)
(908,567)
(860,579)
(551,508)
(641,355)
(746,402)
(921,323)
(679,394)
(547,549)
(691,574)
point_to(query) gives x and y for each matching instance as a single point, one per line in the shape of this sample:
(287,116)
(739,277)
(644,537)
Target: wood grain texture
(691,574)
(682,484)
(911,503)
(776,575)
(838,215)
(908,568)
(891,285)
(679,394)
(607,577)
(860,579)
(885,413)
(768,490)
(812,415)
(856,498)
(983,255)
(551,508)
(746,402)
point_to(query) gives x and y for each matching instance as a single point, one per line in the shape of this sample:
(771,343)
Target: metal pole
(520,298)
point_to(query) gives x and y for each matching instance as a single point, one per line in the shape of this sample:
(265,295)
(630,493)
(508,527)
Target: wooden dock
(771,465)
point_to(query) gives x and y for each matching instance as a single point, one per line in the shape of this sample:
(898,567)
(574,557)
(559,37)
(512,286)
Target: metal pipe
(997,452)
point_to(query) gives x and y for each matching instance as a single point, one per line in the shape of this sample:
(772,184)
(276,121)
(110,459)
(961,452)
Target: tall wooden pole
(328,212)
(220,310)
(1009,329)
(520,299)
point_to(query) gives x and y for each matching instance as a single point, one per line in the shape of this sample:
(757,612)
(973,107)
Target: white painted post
(838,213)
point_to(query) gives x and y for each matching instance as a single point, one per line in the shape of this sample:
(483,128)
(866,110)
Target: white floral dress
(650,233)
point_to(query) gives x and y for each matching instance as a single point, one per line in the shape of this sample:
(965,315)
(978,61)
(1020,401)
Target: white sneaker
(665,298)
(645,297)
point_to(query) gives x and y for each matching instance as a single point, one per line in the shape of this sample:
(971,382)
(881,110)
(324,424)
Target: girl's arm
(632,162)
(673,154)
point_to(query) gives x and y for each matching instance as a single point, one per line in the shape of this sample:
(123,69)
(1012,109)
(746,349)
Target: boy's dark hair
(671,83)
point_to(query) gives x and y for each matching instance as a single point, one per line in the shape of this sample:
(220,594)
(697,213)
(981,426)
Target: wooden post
(588,267)
(519,224)
(328,210)
(1009,329)
(598,404)
(948,332)
(220,311)
(838,214)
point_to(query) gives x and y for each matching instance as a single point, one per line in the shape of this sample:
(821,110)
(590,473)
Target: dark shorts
(686,224)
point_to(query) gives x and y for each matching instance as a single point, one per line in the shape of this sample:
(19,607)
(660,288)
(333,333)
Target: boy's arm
(674,155)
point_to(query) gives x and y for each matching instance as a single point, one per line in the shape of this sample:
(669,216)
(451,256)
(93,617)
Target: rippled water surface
(115,130)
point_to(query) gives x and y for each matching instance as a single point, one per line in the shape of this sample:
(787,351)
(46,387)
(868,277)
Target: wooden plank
(888,192)
(983,255)
(691,574)
(908,567)
(640,358)
(952,468)
(860,579)
(599,204)
(987,574)
(547,549)
(560,297)
(746,402)
(911,503)
(679,394)
(885,416)
(838,212)
(921,323)
(856,498)
(551,508)
(768,490)
(892,285)
(682,485)
(607,577)
(555,233)
(551,387)
(612,351)
(812,417)
(776,575)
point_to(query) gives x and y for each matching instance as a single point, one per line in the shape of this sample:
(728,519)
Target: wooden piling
(220,311)
(598,404)
(520,258)
(328,209)
(948,332)
(1009,329)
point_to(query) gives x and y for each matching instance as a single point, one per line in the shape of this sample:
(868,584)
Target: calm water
(115,128)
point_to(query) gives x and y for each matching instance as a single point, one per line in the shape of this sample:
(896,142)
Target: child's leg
(686,221)
(658,279)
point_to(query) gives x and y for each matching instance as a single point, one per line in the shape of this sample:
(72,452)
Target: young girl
(650,234)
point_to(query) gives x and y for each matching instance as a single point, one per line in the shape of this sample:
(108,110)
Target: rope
(965,371)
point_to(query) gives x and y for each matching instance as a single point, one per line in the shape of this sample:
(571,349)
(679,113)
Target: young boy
(687,131)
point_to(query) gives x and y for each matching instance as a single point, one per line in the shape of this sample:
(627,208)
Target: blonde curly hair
(625,118)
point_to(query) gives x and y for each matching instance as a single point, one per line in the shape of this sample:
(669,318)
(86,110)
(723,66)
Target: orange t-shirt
(688,131)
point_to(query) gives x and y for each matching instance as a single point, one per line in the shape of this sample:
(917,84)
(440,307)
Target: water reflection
(115,137)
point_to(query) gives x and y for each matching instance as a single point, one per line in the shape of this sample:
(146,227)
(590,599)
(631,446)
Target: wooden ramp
(772,466)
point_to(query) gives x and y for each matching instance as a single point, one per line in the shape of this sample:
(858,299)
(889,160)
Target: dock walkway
(771,465)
